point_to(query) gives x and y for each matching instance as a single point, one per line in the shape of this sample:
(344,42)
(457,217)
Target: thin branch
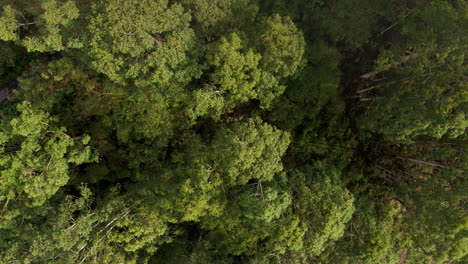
(5,206)
(432,164)
(394,24)
(374,86)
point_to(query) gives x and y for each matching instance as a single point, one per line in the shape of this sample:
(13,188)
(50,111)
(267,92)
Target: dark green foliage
(422,88)
(211,18)
(233,131)
(372,236)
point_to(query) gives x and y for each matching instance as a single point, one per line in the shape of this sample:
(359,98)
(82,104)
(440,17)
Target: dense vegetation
(234,131)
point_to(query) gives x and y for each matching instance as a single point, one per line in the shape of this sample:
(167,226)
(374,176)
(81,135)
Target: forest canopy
(233,131)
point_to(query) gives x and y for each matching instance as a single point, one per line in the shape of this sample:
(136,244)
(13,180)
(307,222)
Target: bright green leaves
(283,46)
(48,32)
(230,135)
(36,157)
(191,185)
(373,236)
(251,215)
(206,102)
(250,150)
(8,24)
(29,122)
(187,188)
(132,40)
(141,117)
(113,228)
(236,70)
(241,74)
(57,15)
(292,217)
(323,204)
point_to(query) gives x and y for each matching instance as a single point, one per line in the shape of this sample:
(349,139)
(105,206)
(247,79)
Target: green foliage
(373,235)
(233,131)
(108,229)
(191,185)
(253,213)
(235,71)
(212,17)
(323,204)
(316,85)
(426,93)
(8,24)
(243,74)
(51,21)
(8,56)
(248,150)
(131,40)
(354,22)
(36,159)
(283,46)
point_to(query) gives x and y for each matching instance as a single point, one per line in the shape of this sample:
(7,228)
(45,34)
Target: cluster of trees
(234,131)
